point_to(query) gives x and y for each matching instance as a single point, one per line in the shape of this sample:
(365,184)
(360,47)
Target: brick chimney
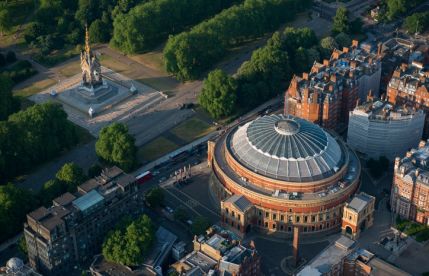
(336,54)
(326,62)
(397,161)
(305,76)
(422,144)
(355,43)
(345,49)
(334,78)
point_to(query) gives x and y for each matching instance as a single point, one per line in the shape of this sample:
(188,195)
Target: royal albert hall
(281,171)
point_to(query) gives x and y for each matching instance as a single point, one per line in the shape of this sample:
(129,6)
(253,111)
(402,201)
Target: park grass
(192,129)
(58,56)
(156,149)
(34,88)
(152,59)
(70,69)
(115,65)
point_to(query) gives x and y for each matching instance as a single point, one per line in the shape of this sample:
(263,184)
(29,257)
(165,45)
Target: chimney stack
(295,245)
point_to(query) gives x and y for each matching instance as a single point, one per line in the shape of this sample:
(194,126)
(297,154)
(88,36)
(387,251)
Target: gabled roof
(240,202)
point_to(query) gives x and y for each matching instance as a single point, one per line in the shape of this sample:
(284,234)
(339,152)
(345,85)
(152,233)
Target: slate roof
(286,148)
(240,201)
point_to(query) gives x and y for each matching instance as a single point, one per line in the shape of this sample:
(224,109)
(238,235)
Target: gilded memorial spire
(87,47)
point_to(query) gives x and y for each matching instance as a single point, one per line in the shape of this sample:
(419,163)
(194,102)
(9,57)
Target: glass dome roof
(286,148)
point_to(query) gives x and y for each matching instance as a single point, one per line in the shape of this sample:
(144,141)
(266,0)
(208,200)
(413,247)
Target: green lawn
(34,88)
(420,231)
(155,149)
(192,129)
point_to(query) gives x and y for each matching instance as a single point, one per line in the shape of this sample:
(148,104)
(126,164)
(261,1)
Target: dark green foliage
(2,60)
(356,26)
(10,57)
(417,22)
(99,31)
(72,175)
(5,20)
(94,171)
(115,146)
(128,245)
(154,197)
(189,54)
(343,40)
(15,203)
(22,245)
(32,136)
(68,177)
(327,44)
(267,72)
(6,98)
(395,8)
(200,225)
(218,95)
(341,21)
(148,24)
(180,214)
(19,71)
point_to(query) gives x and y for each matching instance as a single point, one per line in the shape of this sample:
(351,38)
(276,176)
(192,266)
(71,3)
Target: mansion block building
(331,89)
(410,85)
(410,188)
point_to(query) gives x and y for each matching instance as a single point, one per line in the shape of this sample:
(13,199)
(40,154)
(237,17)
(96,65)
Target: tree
(5,21)
(22,245)
(94,170)
(99,32)
(395,7)
(155,197)
(328,44)
(343,40)
(130,244)
(51,189)
(200,225)
(15,203)
(116,146)
(71,175)
(417,22)
(6,98)
(180,214)
(219,94)
(356,26)
(341,21)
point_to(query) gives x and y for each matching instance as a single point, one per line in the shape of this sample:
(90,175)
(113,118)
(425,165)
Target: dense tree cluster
(394,8)
(15,203)
(188,54)
(33,136)
(129,244)
(115,146)
(417,23)
(342,23)
(267,72)
(218,95)
(200,225)
(58,23)
(147,24)
(265,75)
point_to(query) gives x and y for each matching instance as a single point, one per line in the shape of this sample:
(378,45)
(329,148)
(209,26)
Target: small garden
(419,231)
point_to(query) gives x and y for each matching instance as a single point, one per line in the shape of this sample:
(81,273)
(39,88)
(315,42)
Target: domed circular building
(280,171)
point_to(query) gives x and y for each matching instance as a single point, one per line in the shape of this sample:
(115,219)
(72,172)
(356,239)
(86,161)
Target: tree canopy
(188,54)
(7,105)
(147,24)
(116,146)
(417,22)
(72,175)
(15,203)
(200,225)
(33,136)
(154,197)
(218,95)
(341,21)
(129,244)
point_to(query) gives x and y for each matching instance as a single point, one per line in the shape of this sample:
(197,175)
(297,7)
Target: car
(162,179)
(189,222)
(169,209)
(155,173)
